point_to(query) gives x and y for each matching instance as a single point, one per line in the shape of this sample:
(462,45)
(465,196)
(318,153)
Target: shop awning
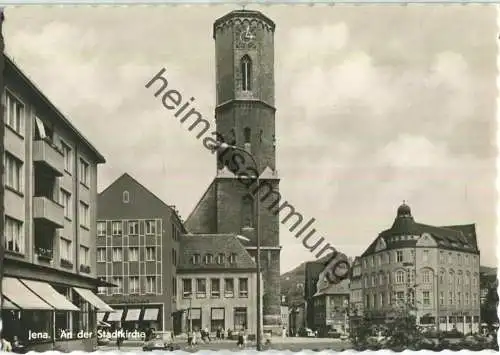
(217,313)
(133,314)
(151,314)
(194,313)
(92,298)
(8,305)
(50,295)
(115,316)
(22,296)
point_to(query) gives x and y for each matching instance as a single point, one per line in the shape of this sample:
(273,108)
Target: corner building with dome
(435,269)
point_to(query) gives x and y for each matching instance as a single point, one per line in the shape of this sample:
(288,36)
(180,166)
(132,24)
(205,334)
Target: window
(13,174)
(187,287)
(399,256)
(84,172)
(425,256)
(65,250)
(474,281)
(366,281)
(381,279)
(101,290)
(217,319)
(426,277)
(364,263)
(466,259)
(215,288)
(174,286)
(459,258)
(243,287)
(467,280)
(246,73)
(372,261)
(441,277)
(125,197)
(474,299)
(450,258)
(201,288)
(426,298)
(133,254)
(374,281)
(118,281)
(232,258)
(117,254)
(466,298)
(151,227)
(459,298)
(101,255)
(151,284)
(441,298)
(400,276)
(459,279)
(441,257)
(150,253)
(411,277)
(14,236)
(84,256)
(450,278)
(247,211)
(14,113)
(196,259)
(209,259)
(400,297)
(133,285)
(229,288)
(101,228)
(68,158)
(84,214)
(116,228)
(174,257)
(133,227)
(450,298)
(220,259)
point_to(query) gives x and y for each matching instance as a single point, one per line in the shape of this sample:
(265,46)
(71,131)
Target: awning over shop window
(92,298)
(133,314)
(217,313)
(22,296)
(115,316)
(8,305)
(100,316)
(50,295)
(194,313)
(151,314)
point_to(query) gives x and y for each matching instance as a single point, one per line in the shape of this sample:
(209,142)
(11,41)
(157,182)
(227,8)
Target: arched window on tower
(247,212)
(246,73)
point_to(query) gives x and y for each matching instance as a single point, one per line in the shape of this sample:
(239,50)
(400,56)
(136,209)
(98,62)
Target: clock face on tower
(245,37)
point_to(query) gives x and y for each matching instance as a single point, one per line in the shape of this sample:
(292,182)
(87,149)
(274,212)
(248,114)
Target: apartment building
(432,269)
(217,279)
(138,251)
(50,180)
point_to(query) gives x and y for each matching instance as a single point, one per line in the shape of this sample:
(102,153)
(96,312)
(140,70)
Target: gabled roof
(457,237)
(335,289)
(214,244)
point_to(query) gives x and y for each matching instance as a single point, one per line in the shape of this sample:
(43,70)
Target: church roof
(213,244)
(456,237)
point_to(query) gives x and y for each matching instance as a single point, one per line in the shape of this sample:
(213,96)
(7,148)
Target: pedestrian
(217,334)
(5,345)
(119,337)
(241,340)
(223,333)
(207,334)
(190,338)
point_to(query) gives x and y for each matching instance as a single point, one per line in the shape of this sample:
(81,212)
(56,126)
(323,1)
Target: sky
(375,105)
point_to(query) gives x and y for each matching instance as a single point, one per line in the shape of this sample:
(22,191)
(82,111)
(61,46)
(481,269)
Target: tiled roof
(213,244)
(333,289)
(457,237)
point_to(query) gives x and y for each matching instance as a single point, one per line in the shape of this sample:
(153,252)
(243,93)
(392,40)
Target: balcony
(46,154)
(48,211)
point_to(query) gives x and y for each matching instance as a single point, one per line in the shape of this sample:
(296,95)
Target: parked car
(160,341)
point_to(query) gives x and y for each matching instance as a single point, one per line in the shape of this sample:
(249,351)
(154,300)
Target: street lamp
(257,232)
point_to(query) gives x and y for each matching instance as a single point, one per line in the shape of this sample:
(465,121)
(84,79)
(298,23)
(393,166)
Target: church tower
(245,117)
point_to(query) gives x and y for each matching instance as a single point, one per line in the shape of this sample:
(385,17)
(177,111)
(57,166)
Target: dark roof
(9,64)
(488,271)
(214,244)
(457,237)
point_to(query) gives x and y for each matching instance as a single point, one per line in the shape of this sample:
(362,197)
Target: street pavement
(292,344)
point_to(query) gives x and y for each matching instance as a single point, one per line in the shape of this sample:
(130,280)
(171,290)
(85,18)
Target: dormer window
(195,259)
(126,197)
(220,259)
(209,259)
(232,258)
(246,73)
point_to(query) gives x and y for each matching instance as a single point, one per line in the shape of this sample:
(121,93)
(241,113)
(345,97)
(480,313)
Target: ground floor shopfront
(464,322)
(136,316)
(47,309)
